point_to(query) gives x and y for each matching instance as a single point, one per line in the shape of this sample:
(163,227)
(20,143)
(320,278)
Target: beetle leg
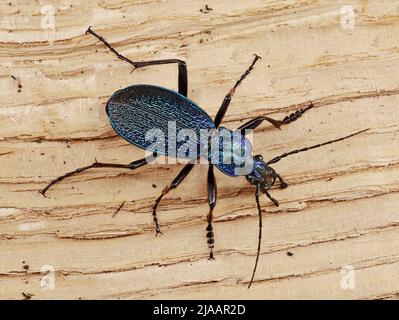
(133,165)
(296,115)
(254,123)
(182,77)
(175,183)
(226,102)
(212,195)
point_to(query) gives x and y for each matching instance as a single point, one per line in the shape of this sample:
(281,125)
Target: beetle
(135,110)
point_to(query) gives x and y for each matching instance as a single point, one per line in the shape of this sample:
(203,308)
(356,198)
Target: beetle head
(262,174)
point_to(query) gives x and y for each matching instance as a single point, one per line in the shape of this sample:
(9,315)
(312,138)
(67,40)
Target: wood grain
(341,207)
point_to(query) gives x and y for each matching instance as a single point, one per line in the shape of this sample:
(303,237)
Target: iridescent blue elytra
(138,109)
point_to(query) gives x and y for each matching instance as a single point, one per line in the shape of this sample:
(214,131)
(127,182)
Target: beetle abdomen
(147,115)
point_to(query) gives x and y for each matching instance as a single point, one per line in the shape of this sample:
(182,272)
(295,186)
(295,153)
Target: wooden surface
(341,207)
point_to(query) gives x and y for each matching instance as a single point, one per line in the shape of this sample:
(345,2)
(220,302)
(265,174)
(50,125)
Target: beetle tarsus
(43,192)
(211,239)
(88,30)
(154,210)
(211,255)
(296,115)
(227,99)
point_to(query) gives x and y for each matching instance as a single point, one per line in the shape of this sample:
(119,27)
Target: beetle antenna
(257,193)
(277,159)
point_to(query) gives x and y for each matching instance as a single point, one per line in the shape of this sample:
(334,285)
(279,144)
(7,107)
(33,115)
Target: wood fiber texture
(336,232)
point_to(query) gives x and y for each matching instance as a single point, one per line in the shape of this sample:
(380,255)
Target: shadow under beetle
(136,109)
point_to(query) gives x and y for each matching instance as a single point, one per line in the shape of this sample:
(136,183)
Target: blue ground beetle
(136,109)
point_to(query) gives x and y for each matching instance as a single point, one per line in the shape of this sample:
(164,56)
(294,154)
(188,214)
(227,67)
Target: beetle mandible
(136,109)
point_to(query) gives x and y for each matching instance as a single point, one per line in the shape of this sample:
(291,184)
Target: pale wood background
(341,207)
